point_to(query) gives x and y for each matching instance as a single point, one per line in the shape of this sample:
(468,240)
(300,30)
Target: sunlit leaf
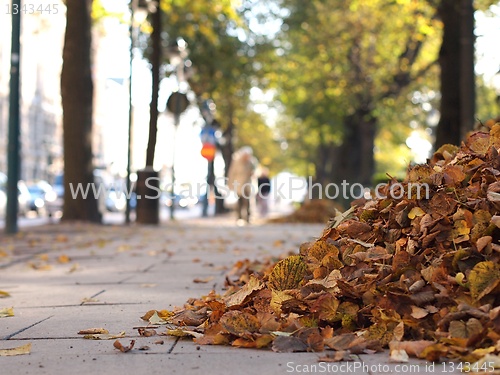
(483,279)
(20,350)
(63,259)
(415,212)
(277,299)
(399,355)
(239,323)
(4,294)
(104,336)
(6,312)
(179,332)
(93,331)
(412,348)
(287,273)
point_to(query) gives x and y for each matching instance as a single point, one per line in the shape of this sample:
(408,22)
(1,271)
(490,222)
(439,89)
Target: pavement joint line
(83,304)
(122,281)
(148,268)
(8,337)
(93,296)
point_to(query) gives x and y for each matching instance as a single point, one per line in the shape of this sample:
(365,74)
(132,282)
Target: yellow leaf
(20,350)
(63,259)
(155,319)
(104,336)
(6,312)
(44,257)
(489,361)
(287,273)
(179,332)
(460,228)
(483,279)
(415,212)
(93,331)
(239,323)
(277,298)
(4,294)
(123,248)
(162,314)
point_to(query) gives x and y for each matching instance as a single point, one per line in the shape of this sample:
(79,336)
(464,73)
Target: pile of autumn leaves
(420,276)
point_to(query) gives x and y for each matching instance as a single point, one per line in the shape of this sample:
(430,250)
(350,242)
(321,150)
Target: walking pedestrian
(240,181)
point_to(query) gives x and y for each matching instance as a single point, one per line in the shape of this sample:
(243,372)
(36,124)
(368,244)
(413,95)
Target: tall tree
(334,72)
(155,60)
(77,97)
(456,59)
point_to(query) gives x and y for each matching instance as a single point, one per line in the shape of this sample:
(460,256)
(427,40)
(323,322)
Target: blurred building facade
(42,35)
(42,42)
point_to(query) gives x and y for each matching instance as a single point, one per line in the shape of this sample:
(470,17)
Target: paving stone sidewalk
(65,278)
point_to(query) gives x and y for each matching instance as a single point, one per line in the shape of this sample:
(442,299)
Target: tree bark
(155,75)
(77,97)
(456,59)
(354,158)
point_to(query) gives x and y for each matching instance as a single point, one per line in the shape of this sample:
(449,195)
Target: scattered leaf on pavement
(118,345)
(20,350)
(4,294)
(6,312)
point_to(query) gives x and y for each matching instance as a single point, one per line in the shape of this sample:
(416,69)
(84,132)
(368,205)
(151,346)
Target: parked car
(23,196)
(116,201)
(42,198)
(178,200)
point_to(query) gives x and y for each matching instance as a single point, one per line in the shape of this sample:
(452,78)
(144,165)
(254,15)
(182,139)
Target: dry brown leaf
(238,298)
(203,281)
(124,349)
(146,332)
(412,348)
(336,356)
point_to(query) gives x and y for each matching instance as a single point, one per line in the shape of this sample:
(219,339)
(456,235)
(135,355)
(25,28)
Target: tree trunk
(155,75)
(456,58)
(467,74)
(77,96)
(354,161)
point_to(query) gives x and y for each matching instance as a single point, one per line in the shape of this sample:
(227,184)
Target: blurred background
(337,90)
